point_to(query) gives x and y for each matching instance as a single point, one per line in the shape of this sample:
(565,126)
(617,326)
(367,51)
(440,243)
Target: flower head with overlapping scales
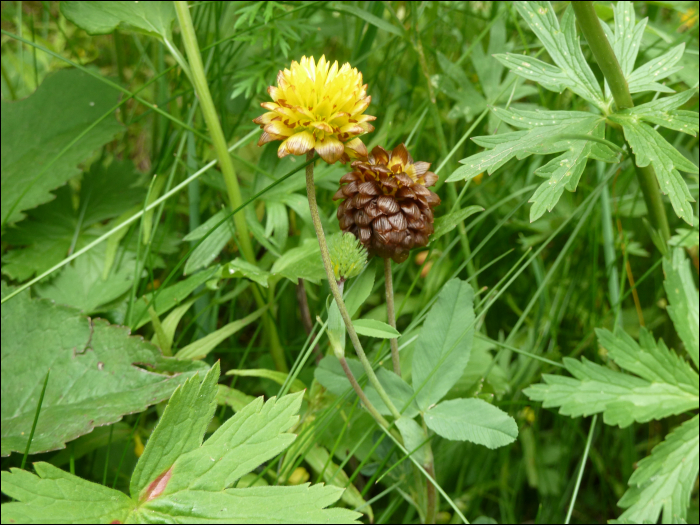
(387,204)
(317,106)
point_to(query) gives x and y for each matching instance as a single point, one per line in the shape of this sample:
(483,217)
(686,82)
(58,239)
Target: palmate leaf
(663,481)
(179,478)
(546,132)
(98,373)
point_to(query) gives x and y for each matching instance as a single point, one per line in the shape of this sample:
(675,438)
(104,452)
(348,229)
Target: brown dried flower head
(317,106)
(387,204)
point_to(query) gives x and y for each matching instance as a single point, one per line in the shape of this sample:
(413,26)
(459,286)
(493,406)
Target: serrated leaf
(96,375)
(36,130)
(98,18)
(201,347)
(472,420)
(683,299)
(447,223)
(53,495)
(443,348)
(622,398)
(241,268)
(626,37)
(562,44)
(374,328)
(663,482)
(303,262)
(278,377)
(331,376)
(651,148)
(663,112)
(180,430)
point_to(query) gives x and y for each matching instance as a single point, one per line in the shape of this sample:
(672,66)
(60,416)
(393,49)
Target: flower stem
(431,494)
(199,79)
(337,295)
(358,390)
(391,316)
(605,56)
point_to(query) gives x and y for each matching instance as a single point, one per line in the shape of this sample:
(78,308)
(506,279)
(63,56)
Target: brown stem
(306,316)
(431,494)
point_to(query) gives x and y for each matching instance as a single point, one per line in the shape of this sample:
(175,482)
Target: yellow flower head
(317,106)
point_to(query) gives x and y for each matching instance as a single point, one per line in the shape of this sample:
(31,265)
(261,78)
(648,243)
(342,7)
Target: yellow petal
(356,148)
(330,149)
(277,127)
(297,144)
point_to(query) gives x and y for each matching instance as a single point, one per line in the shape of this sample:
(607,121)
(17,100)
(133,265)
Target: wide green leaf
(683,298)
(55,496)
(98,373)
(241,268)
(472,420)
(97,18)
(37,135)
(374,328)
(663,482)
(443,348)
(303,262)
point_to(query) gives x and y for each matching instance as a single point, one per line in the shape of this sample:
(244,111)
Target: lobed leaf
(683,298)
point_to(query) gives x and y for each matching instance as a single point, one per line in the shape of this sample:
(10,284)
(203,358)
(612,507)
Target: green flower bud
(348,255)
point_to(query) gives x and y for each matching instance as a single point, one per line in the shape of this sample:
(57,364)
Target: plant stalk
(199,79)
(391,315)
(605,56)
(358,390)
(337,295)
(431,494)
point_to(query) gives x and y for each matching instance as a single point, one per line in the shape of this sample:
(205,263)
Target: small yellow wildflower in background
(299,476)
(317,106)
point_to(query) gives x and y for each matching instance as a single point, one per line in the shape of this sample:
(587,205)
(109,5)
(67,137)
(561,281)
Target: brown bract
(387,204)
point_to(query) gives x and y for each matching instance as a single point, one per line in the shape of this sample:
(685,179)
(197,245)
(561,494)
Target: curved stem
(199,79)
(605,56)
(337,295)
(358,390)
(391,316)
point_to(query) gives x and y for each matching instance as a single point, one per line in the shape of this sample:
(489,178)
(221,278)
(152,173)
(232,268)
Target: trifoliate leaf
(651,148)
(683,299)
(472,420)
(663,481)
(41,129)
(443,348)
(98,373)
(562,44)
(622,398)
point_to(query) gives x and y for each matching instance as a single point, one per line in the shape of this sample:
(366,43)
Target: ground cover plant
(378,262)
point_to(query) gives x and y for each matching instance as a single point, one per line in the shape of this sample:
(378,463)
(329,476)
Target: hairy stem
(358,390)
(337,295)
(605,56)
(199,79)
(391,316)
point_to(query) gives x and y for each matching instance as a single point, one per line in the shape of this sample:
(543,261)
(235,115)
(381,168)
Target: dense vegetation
(173,348)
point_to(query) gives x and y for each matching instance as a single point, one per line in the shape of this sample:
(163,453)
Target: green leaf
(415,439)
(447,223)
(663,482)
(36,130)
(180,430)
(96,380)
(683,299)
(181,479)
(278,377)
(564,48)
(201,347)
(646,77)
(368,17)
(52,495)
(319,460)
(444,345)
(622,398)
(303,262)
(98,18)
(164,300)
(240,268)
(472,420)
(626,37)
(651,148)
(374,328)
(359,291)
(210,248)
(331,376)
(662,112)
